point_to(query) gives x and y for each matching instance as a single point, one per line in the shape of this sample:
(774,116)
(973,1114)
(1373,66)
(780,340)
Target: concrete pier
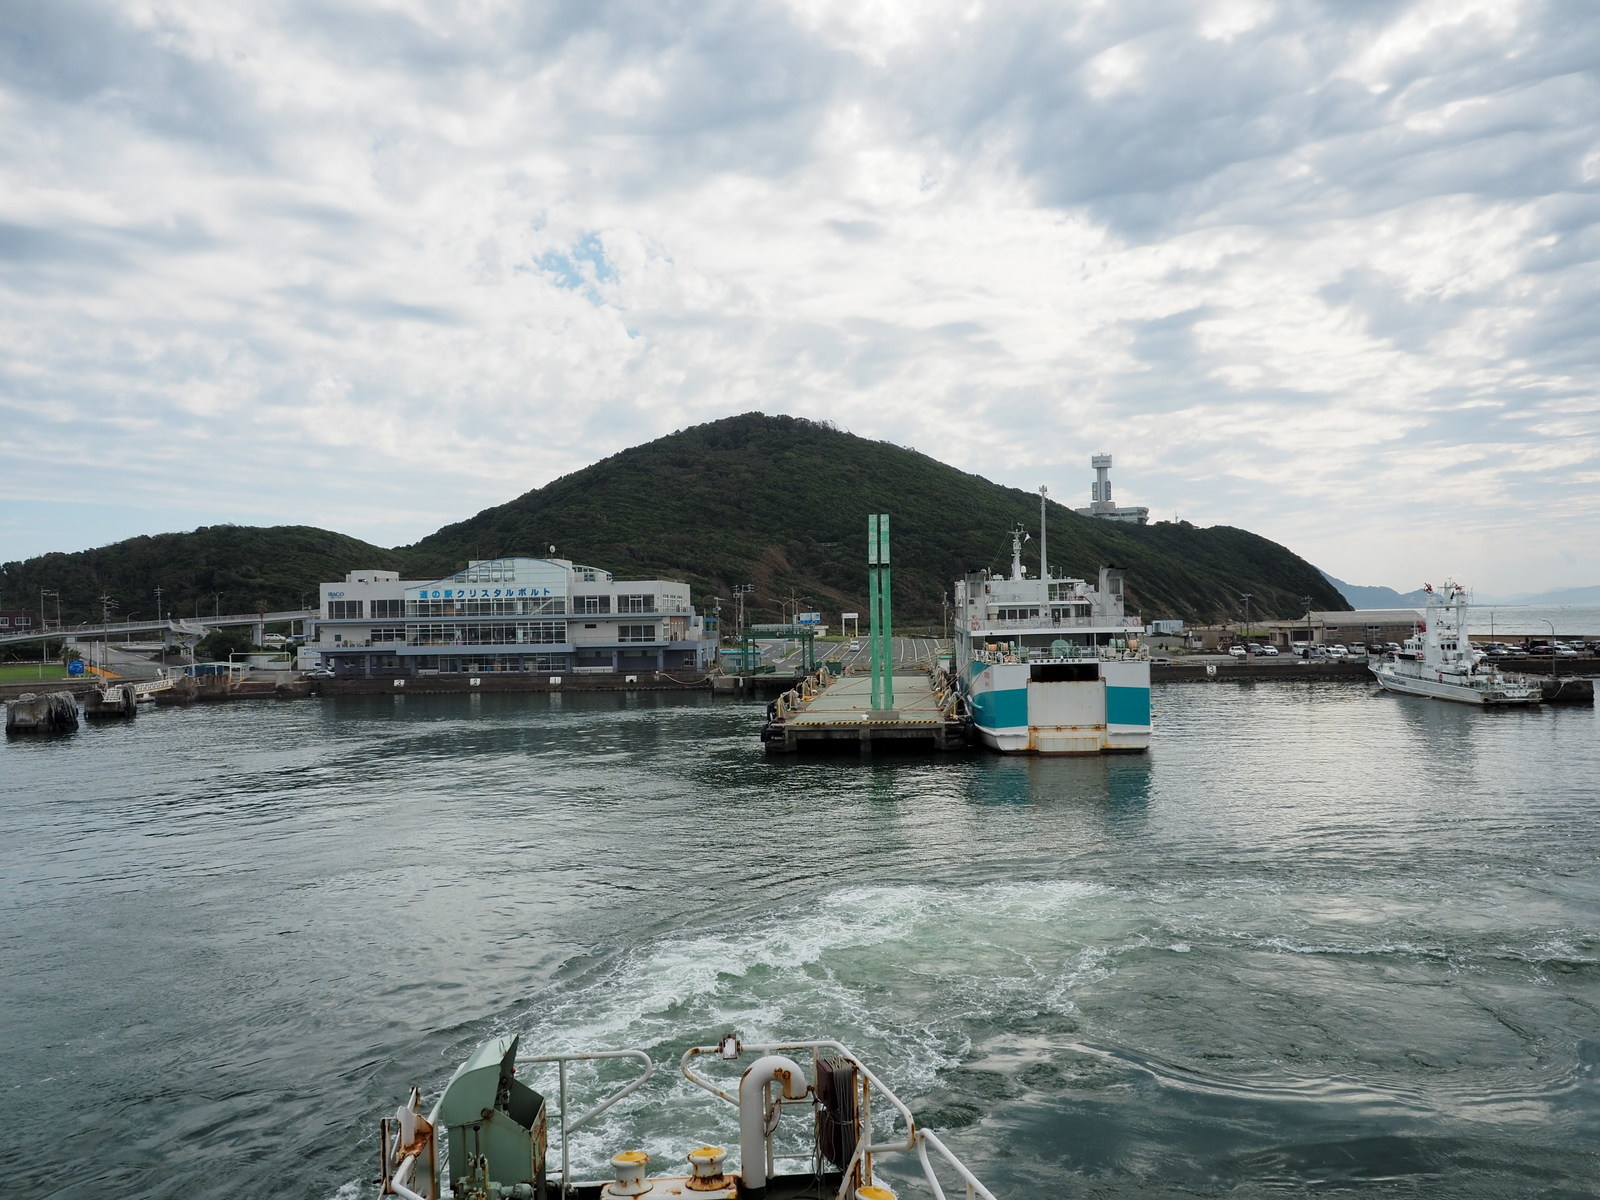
(823,713)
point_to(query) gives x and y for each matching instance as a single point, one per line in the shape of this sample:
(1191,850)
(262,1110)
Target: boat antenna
(1018,536)
(1044,566)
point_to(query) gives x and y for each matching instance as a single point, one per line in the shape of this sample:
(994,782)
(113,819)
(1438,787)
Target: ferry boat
(804,1131)
(1050,665)
(1438,660)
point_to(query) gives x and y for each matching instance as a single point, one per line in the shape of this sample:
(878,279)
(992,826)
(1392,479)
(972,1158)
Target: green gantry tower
(881,627)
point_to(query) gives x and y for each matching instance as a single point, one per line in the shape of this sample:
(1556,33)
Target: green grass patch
(13,672)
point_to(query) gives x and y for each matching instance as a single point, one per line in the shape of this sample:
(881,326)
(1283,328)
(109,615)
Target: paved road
(909,653)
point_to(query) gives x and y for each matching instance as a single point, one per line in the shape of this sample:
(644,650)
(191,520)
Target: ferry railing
(569,1127)
(917,1142)
(408,1141)
(1084,653)
(1041,622)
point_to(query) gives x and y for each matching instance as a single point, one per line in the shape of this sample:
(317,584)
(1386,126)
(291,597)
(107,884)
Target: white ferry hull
(1016,713)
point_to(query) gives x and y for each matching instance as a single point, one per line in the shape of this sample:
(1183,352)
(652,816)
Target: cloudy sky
(1326,271)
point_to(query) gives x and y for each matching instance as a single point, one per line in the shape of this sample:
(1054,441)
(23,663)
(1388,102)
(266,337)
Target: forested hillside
(782,503)
(216,568)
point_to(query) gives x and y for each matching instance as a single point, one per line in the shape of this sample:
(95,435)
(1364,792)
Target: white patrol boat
(1050,665)
(494,1130)
(1438,660)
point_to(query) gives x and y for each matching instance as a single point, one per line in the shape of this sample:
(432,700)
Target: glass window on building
(636,633)
(642,603)
(388,608)
(345,610)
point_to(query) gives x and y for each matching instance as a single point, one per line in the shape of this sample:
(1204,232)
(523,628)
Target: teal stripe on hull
(1001,710)
(1127,706)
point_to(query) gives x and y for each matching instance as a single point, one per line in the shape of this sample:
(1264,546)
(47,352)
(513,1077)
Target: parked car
(1562,650)
(1236,650)
(1337,652)
(1269,651)
(320,673)
(854,645)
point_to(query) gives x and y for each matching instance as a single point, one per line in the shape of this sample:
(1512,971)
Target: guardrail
(917,1141)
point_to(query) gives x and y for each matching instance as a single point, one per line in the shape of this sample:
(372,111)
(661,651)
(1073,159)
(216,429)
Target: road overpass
(181,627)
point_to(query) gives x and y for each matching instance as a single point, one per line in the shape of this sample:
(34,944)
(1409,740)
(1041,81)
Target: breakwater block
(56,712)
(117,701)
(1568,690)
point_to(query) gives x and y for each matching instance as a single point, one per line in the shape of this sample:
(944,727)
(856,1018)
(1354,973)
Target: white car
(1236,650)
(853,646)
(1338,653)
(1268,651)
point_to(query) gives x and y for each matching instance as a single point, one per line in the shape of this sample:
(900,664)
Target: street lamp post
(1307,601)
(1246,598)
(1552,647)
(106,605)
(44,642)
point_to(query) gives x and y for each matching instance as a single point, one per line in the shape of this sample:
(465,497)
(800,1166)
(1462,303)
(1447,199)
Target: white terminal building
(546,615)
(1100,502)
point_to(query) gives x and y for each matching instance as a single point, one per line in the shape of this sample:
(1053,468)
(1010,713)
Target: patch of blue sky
(583,268)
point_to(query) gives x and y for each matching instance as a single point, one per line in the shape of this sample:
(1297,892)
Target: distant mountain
(779,503)
(1377,597)
(1382,597)
(1571,595)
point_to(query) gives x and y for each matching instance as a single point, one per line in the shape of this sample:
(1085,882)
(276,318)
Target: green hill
(782,502)
(216,568)
(777,502)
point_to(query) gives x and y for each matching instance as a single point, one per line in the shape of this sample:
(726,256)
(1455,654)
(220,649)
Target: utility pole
(741,590)
(1246,599)
(1306,600)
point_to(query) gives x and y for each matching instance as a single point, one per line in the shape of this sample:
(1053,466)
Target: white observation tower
(1100,503)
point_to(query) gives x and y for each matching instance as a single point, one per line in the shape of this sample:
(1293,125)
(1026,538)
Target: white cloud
(1325,271)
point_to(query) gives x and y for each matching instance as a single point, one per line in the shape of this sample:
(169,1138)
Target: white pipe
(753,1113)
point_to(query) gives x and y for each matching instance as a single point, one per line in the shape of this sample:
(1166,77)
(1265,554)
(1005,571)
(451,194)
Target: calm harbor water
(1529,620)
(1320,939)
